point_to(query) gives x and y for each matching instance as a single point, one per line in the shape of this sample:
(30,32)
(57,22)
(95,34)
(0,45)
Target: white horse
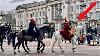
(57,37)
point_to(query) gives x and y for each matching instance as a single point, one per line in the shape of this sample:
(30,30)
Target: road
(82,50)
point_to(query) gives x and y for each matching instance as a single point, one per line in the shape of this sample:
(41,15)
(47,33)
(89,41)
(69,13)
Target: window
(36,15)
(71,16)
(41,8)
(63,7)
(33,15)
(98,15)
(21,22)
(71,8)
(44,13)
(98,5)
(40,13)
(18,23)
(48,9)
(19,15)
(77,7)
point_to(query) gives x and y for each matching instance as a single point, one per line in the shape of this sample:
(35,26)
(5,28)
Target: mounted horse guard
(67,33)
(29,35)
(2,34)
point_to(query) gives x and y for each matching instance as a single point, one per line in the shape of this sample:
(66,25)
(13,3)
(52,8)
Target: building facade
(43,12)
(53,11)
(78,6)
(8,17)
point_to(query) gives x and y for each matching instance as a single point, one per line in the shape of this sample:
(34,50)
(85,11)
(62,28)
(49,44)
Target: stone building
(8,17)
(44,12)
(53,11)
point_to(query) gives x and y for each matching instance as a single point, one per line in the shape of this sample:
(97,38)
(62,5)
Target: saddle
(27,36)
(66,35)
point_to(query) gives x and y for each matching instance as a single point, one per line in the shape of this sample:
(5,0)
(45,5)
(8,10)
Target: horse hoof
(73,51)
(38,51)
(18,51)
(29,50)
(26,51)
(62,51)
(52,51)
(14,52)
(2,50)
(41,51)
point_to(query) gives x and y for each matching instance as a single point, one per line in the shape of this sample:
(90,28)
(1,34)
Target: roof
(29,5)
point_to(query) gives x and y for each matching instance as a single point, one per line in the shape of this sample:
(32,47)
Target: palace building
(53,11)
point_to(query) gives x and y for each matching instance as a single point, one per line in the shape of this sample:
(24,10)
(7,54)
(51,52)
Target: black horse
(1,41)
(23,38)
(2,36)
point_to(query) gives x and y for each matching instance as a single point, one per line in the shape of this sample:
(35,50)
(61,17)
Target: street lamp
(1,18)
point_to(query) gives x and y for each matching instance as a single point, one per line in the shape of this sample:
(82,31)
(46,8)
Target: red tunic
(65,31)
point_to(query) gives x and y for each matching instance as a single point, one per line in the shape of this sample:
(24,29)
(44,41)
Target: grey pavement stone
(82,50)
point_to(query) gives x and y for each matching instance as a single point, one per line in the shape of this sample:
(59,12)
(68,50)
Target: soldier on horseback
(32,33)
(32,30)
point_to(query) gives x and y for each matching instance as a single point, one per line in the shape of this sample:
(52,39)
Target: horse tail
(18,35)
(11,37)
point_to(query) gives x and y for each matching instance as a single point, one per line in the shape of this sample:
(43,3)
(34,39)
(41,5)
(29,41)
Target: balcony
(98,10)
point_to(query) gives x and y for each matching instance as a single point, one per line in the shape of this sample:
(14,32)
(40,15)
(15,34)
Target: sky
(7,5)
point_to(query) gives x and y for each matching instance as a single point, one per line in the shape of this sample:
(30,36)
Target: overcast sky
(7,5)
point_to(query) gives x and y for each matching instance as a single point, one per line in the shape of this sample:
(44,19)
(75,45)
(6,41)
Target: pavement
(82,50)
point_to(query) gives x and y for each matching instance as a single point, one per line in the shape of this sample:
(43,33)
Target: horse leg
(24,47)
(19,46)
(27,46)
(13,41)
(2,44)
(59,45)
(8,38)
(15,47)
(43,46)
(54,40)
(53,43)
(38,47)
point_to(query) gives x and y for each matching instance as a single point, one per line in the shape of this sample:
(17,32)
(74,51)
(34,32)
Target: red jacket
(65,32)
